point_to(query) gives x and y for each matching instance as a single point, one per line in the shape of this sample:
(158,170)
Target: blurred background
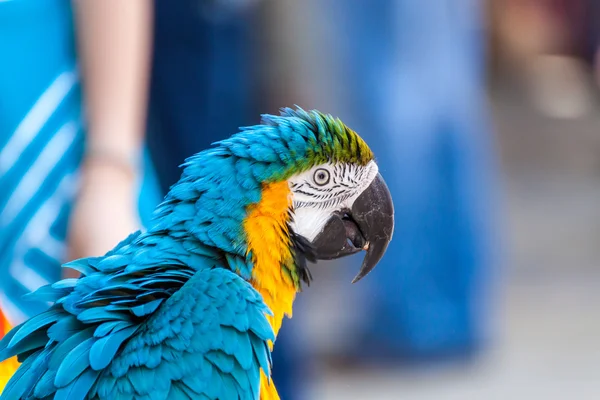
(484,119)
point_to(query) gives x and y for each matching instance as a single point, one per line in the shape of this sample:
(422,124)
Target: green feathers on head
(327,138)
(333,140)
(284,145)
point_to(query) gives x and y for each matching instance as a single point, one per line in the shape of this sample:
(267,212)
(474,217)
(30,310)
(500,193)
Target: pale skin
(114,47)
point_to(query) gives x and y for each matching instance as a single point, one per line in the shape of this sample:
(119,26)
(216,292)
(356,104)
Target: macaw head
(300,186)
(340,203)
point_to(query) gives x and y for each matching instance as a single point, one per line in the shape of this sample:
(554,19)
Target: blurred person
(70,184)
(417,74)
(409,76)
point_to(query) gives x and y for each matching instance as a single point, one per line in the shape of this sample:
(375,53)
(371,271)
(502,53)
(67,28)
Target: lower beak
(368,226)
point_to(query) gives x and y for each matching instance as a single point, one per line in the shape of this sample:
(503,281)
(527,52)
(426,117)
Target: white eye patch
(325,189)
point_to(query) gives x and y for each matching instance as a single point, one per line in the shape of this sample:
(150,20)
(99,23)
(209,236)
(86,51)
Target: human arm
(114,39)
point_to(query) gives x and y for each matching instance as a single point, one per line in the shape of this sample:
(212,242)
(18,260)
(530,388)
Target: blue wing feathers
(20,381)
(182,392)
(68,283)
(76,361)
(4,349)
(65,328)
(111,326)
(221,360)
(47,293)
(35,341)
(136,328)
(33,368)
(142,379)
(83,265)
(35,323)
(103,350)
(146,308)
(244,354)
(98,315)
(61,350)
(195,360)
(242,378)
(262,354)
(80,388)
(45,385)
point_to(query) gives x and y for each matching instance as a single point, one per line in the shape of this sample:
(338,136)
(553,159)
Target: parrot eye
(321,177)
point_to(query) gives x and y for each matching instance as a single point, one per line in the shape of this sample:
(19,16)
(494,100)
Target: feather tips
(200,351)
(103,350)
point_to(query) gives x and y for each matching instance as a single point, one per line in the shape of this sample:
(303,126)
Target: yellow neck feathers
(266,231)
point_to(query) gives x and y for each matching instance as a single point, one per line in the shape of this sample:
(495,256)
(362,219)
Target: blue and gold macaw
(190,309)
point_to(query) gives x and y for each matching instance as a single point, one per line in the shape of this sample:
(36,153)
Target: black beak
(368,226)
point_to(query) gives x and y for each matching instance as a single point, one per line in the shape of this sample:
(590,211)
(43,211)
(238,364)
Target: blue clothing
(203,84)
(42,139)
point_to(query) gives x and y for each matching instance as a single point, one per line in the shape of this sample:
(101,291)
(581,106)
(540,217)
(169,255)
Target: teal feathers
(146,332)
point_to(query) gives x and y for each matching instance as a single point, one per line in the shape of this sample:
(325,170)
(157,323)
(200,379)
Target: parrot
(190,307)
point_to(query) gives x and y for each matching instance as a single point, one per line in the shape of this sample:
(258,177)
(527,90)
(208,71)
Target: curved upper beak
(368,225)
